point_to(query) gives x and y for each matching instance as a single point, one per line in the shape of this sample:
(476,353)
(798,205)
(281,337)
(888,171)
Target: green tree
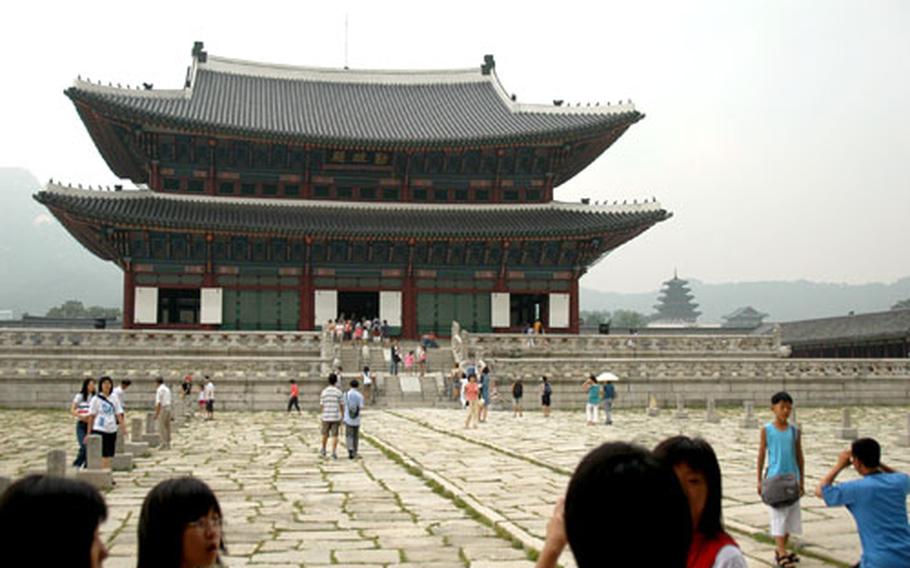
(628,319)
(73,309)
(594,317)
(902,305)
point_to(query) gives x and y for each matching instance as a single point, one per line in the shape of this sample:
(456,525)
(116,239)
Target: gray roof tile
(346,219)
(411,108)
(877,325)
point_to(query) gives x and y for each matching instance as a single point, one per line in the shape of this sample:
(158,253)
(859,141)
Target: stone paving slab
(286,506)
(283,504)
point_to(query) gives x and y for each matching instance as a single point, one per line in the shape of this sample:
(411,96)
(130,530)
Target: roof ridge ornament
(199,52)
(489,64)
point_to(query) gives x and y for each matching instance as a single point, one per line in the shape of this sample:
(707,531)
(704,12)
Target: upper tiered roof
(344,106)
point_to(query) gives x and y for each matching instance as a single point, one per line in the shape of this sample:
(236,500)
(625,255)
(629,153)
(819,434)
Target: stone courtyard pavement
(429,493)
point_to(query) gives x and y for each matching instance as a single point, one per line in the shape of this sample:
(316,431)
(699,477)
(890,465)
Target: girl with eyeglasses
(180,526)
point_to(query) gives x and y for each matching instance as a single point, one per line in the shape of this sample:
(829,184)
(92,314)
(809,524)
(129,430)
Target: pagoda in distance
(276,197)
(676,305)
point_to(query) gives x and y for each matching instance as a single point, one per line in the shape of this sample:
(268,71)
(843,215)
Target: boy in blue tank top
(781,442)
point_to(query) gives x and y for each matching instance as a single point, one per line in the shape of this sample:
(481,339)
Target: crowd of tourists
(672,494)
(358,330)
(100,408)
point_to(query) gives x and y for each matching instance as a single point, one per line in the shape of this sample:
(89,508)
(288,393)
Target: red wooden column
(409,298)
(573,307)
(307,320)
(129,297)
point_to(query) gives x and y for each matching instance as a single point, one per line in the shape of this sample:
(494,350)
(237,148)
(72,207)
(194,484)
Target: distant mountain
(41,265)
(782,301)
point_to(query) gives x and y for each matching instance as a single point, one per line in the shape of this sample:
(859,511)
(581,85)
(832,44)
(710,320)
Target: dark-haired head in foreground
(180,524)
(38,510)
(696,456)
(620,495)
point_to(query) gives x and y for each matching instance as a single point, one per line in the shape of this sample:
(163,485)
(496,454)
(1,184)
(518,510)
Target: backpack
(547,389)
(353,411)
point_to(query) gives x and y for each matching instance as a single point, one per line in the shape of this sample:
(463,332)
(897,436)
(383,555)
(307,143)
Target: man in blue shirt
(877,501)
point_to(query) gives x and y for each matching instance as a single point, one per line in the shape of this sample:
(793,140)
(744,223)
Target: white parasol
(606,376)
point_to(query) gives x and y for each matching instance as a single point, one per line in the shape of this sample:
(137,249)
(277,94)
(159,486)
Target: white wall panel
(390,307)
(499,309)
(145,306)
(326,306)
(211,300)
(559,311)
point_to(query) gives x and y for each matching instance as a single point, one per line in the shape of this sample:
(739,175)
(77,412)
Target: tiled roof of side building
(876,325)
(342,106)
(144,208)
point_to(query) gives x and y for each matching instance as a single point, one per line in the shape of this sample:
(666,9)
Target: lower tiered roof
(147,210)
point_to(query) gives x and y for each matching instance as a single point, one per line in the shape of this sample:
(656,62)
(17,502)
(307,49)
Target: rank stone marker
(711,414)
(56,463)
(847,431)
(749,420)
(93,474)
(122,460)
(653,408)
(681,413)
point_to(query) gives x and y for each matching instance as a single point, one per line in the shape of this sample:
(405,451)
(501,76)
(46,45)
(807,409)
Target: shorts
(108,443)
(786,520)
(209,406)
(201,404)
(331,428)
(545,400)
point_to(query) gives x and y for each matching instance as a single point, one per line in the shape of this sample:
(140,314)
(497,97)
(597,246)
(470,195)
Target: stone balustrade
(728,380)
(114,341)
(491,345)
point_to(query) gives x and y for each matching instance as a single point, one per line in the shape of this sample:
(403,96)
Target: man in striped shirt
(332,407)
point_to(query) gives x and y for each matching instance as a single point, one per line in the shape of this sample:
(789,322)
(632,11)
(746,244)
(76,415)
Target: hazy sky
(777,132)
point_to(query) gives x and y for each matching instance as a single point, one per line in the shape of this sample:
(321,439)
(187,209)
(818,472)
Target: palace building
(274,197)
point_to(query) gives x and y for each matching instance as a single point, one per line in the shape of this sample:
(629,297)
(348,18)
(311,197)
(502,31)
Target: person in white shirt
(119,393)
(163,413)
(105,415)
(209,393)
(79,410)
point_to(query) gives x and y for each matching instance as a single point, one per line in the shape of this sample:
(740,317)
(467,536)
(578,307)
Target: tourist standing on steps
(609,393)
(353,406)
(472,396)
(394,358)
(201,399)
(877,501)
(106,415)
(368,385)
(592,389)
(80,411)
(782,443)
(462,384)
(518,391)
(294,399)
(546,394)
(330,402)
(484,393)
(409,362)
(163,413)
(209,398)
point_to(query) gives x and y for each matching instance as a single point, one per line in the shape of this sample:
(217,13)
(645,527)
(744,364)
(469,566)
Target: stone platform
(429,493)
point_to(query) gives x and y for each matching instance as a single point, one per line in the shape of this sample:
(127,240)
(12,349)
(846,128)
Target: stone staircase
(407,389)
